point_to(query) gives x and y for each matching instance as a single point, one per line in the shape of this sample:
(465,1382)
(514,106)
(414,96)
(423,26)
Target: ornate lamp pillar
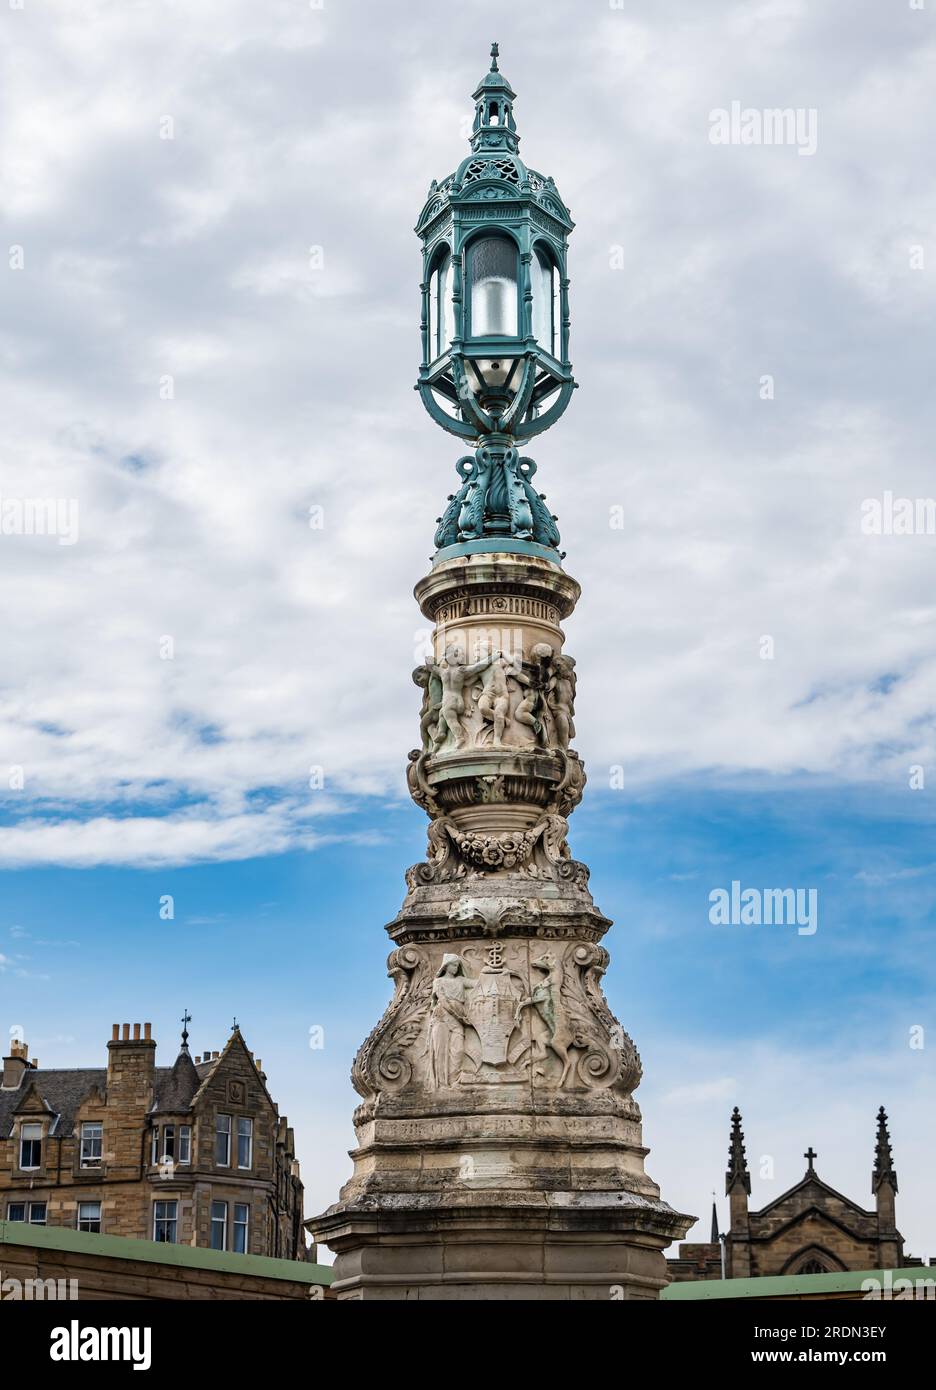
(499,1143)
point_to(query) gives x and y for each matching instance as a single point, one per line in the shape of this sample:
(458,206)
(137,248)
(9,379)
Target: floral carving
(542,852)
(507,850)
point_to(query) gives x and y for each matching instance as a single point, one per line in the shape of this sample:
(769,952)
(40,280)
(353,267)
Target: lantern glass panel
(441,308)
(448,307)
(493,288)
(545,309)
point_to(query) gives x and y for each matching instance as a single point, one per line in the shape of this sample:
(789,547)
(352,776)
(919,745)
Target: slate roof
(62,1090)
(65,1089)
(175,1091)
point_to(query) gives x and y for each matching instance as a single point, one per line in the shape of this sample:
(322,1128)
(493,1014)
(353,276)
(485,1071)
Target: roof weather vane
(186,1020)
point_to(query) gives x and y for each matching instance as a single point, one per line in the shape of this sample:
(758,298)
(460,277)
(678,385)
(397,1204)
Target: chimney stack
(15,1065)
(131,1072)
(131,1063)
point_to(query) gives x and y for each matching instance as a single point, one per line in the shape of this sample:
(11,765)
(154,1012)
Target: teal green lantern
(495,326)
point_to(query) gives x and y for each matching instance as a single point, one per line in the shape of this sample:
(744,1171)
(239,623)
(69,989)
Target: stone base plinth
(603,1246)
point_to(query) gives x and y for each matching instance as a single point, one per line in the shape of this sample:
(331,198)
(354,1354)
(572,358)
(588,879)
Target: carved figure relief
(533,709)
(448,1018)
(561,698)
(431,684)
(505,1021)
(496,701)
(556,1032)
(452,672)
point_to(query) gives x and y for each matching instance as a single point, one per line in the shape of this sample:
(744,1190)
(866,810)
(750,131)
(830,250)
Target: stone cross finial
(809,1155)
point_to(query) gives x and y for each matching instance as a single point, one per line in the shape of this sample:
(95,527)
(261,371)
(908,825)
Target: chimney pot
(147,1031)
(126,1032)
(197,1060)
(115,1032)
(136,1032)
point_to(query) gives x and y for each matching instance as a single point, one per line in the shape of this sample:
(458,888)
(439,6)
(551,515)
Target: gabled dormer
(235,1114)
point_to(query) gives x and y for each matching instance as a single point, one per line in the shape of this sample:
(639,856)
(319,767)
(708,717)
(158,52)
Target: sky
(208,343)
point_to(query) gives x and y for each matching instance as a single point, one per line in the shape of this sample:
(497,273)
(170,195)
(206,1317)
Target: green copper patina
(495,327)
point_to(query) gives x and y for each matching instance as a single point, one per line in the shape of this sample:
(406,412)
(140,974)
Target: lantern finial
(495,54)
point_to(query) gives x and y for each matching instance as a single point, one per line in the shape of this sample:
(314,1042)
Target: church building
(809,1229)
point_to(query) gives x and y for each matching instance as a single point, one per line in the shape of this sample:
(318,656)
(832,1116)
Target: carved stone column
(499,1150)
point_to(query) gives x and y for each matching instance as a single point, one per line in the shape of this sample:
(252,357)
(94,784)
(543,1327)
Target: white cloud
(293,647)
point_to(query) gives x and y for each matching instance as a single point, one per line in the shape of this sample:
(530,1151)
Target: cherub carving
(533,709)
(428,680)
(560,693)
(452,672)
(494,701)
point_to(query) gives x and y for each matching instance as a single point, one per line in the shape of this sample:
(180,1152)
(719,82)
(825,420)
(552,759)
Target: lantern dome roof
(494,80)
(493,169)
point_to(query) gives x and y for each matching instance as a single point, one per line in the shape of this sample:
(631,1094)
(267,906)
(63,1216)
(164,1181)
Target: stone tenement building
(810,1229)
(193,1154)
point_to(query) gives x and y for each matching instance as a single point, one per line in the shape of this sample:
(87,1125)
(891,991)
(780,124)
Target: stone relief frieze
(496,1014)
(497,701)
